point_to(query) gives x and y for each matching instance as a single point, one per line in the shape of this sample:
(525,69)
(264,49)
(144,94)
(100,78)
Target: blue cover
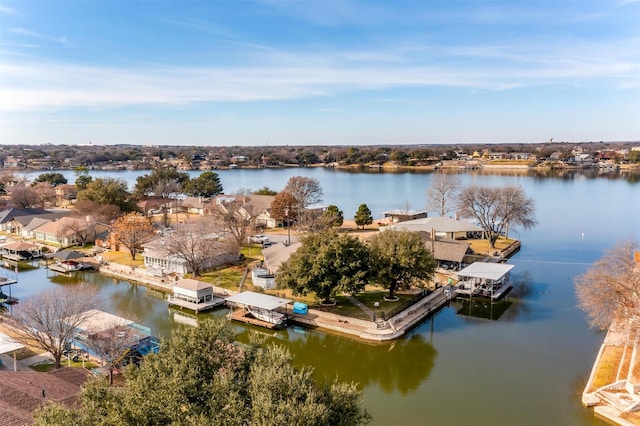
(300,308)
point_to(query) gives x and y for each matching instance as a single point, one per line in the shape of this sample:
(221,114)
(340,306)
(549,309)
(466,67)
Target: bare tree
(610,289)
(166,188)
(200,244)
(45,193)
(305,190)
(105,213)
(239,217)
(496,208)
(132,231)
(84,228)
(24,196)
(113,343)
(50,319)
(285,207)
(441,196)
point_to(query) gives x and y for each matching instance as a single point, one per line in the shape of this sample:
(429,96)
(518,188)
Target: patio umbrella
(66,255)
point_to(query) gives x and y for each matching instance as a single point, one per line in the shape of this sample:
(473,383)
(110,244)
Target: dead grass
(633,418)
(123,258)
(635,375)
(607,368)
(15,335)
(624,371)
(483,246)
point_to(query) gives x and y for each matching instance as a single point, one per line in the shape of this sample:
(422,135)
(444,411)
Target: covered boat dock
(4,297)
(259,309)
(8,345)
(485,279)
(194,295)
(20,251)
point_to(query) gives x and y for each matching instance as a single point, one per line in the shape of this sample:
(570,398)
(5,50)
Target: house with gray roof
(442,227)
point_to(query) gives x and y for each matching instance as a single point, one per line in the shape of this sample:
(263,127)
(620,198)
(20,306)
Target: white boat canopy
(487,271)
(7,344)
(258,300)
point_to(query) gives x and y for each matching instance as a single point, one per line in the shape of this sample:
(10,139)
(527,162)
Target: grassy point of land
(123,258)
(483,246)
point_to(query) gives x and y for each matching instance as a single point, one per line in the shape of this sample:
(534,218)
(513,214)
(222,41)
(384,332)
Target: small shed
(194,295)
(260,277)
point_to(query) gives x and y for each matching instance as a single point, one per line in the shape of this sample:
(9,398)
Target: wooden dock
(242,315)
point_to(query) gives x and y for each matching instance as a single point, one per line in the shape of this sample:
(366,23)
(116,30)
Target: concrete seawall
(378,331)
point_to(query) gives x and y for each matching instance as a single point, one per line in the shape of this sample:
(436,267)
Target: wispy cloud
(36,35)
(7,10)
(33,86)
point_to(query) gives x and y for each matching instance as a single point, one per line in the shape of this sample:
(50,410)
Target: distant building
(401,215)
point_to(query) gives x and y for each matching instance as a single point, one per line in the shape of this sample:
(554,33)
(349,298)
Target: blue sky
(319,72)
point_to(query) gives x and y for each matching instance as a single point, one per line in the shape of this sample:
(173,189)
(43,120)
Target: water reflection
(481,308)
(400,366)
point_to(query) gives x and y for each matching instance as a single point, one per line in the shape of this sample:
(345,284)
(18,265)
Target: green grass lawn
(46,367)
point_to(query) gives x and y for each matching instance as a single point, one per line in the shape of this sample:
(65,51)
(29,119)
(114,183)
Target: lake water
(528,367)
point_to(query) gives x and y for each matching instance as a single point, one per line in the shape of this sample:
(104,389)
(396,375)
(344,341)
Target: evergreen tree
(363,216)
(333,216)
(201,377)
(206,185)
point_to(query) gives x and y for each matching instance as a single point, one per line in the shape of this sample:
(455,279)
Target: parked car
(259,239)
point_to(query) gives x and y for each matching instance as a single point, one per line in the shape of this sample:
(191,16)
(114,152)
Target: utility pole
(286,215)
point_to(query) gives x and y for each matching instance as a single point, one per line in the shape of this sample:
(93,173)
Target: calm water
(528,367)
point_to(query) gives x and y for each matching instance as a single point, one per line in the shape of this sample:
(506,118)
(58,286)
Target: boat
(266,315)
(67,266)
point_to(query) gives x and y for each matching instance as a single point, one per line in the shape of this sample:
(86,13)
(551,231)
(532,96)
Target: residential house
(25,391)
(195,205)
(278,254)
(555,156)
(66,194)
(450,254)
(7,216)
(444,227)
(403,215)
(24,225)
(11,162)
(253,206)
(583,159)
(61,232)
(497,155)
(150,204)
(160,261)
(239,159)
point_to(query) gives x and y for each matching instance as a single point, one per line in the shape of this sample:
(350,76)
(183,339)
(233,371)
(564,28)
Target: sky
(323,72)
